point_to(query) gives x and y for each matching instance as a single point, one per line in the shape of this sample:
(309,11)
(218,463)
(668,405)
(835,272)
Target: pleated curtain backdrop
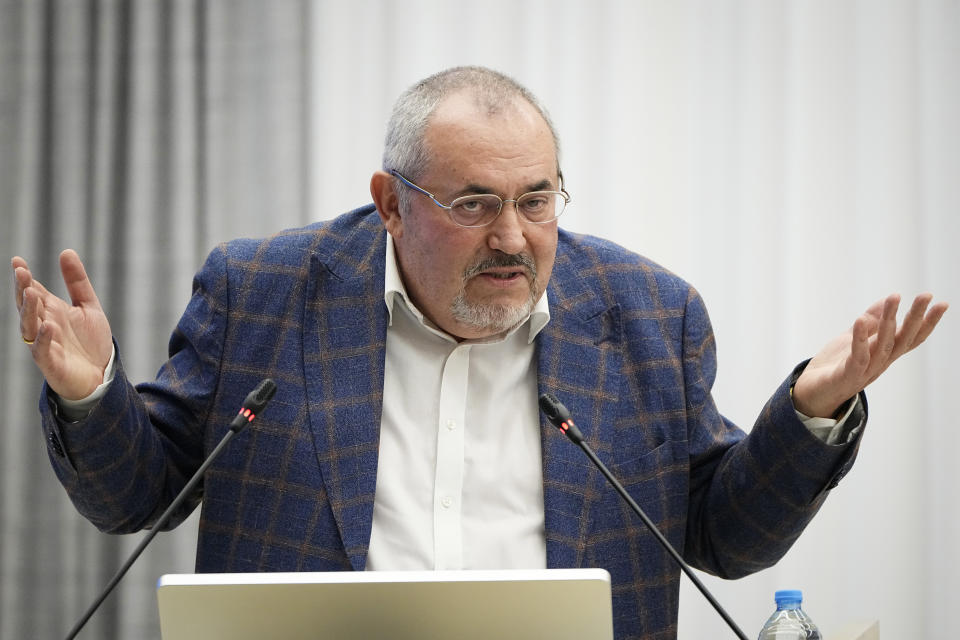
(139,133)
(794,159)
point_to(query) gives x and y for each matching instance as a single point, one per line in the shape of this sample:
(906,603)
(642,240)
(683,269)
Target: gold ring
(25,341)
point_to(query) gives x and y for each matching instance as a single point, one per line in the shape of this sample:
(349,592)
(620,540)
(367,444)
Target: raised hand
(71,342)
(848,363)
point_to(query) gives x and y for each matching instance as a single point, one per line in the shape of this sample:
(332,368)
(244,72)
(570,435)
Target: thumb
(75,277)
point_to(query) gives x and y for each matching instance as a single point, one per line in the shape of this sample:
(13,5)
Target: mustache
(502,260)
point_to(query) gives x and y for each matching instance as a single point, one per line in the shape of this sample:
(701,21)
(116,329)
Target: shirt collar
(393,287)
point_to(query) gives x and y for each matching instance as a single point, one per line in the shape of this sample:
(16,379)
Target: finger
(912,322)
(75,277)
(872,316)
(870,323)
(875,310)
(21,280)
(930,322)
(30,311)
(886,333)
(42,346)
(24,280)
(863,328)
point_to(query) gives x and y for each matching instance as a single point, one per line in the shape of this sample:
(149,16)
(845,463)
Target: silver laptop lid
(560,604)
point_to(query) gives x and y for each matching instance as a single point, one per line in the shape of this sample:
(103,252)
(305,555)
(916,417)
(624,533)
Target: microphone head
(553,409)
(258,398)
(560,417)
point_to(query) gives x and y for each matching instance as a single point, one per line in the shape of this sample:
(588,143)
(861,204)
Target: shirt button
(446,502)
(451,425)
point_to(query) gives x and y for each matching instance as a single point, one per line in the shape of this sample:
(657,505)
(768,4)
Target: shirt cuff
(830,431)
(77,410)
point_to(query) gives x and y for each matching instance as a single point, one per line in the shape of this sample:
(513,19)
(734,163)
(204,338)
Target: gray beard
(492,318)
(495,318)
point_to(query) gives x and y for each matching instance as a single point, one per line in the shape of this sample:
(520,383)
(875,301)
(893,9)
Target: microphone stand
(252,405)
(560,417)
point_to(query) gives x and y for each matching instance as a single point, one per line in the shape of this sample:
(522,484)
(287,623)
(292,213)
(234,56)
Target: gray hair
(405,150)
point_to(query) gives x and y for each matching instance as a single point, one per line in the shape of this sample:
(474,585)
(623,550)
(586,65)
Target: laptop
(560,604)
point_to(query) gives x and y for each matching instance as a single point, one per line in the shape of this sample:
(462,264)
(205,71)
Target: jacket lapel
(345,323)
(579,360)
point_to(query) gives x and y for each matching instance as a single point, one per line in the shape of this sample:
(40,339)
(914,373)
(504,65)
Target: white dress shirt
(459,477)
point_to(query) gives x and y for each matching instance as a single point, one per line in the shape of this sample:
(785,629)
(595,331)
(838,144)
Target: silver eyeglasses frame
(449,207)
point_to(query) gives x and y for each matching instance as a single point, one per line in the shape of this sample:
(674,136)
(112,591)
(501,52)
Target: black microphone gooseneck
(560,417)
(254,403)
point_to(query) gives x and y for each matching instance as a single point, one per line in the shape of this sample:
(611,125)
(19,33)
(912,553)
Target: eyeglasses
(479,210)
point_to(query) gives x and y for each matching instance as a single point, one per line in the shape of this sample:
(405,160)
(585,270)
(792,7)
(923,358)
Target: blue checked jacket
(629,349)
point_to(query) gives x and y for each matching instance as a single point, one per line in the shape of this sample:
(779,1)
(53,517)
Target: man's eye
(472,206)
(536,203)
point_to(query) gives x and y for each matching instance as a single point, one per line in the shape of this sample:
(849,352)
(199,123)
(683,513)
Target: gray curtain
(139,133)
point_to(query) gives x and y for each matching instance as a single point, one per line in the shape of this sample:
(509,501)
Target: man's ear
(387,203)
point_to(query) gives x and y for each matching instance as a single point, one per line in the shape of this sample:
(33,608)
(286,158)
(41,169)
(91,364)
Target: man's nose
(506,232)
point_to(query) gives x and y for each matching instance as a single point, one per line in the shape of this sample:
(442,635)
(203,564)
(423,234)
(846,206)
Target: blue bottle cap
(788,596)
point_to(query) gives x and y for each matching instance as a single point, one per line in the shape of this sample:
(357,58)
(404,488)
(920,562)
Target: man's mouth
(503,275)
(504,268)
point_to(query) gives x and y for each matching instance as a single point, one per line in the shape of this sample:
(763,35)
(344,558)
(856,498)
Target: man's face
(478,282)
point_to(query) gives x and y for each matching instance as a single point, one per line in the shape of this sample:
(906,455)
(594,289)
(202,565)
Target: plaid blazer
(629,349)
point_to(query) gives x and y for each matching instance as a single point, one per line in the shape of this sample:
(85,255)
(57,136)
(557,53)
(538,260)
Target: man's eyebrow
(473,188)
(543,185)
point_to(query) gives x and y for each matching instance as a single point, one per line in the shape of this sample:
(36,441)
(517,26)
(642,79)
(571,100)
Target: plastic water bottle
(789,622)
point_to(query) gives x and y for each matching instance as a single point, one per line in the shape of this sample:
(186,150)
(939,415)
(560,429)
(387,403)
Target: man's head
(404,149)
(469,131)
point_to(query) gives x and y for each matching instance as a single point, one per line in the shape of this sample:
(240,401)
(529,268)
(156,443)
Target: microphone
(560,417)
(252,405)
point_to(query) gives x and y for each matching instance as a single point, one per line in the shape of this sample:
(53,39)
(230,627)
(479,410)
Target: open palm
(852,360)
(71,342)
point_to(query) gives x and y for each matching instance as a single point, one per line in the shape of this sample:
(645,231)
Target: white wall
(794,160)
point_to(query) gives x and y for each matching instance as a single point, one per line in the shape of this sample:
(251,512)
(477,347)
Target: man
(409,340)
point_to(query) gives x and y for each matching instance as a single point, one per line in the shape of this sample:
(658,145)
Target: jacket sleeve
(752,496)
(124,463)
